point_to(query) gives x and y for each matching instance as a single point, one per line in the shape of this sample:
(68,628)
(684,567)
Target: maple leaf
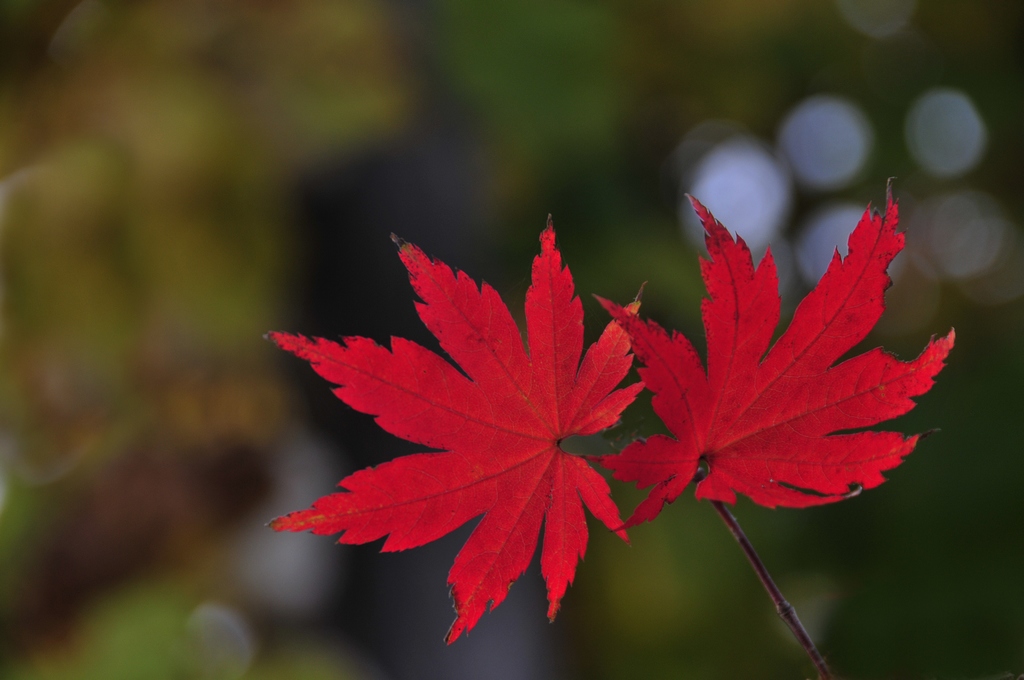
(498,430)
(764,424)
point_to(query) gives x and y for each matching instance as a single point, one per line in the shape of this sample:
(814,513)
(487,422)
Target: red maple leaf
(498,429)
(763,423)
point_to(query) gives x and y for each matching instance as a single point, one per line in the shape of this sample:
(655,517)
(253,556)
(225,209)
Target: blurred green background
(178,177)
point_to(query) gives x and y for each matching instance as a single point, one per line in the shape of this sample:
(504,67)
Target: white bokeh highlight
(745,186)
(293,574)
(945,133)
(960,235)
(825,231)
(827,141)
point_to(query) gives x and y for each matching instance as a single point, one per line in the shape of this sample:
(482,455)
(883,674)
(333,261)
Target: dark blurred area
(178,177)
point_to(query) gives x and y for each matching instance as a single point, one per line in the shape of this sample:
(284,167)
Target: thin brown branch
(786,611)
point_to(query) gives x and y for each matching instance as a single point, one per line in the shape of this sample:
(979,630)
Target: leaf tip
(640,294)
(547,237)
(608,305)
(455,631)
(283,340)
(703,214)
(636,520)
(553,608)
(296,343)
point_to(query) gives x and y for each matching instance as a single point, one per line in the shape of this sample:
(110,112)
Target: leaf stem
(786,611)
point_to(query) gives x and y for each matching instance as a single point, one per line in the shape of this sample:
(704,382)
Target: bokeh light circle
(827,141)
(745,186)
(945,133)
(824,231)
(960,234)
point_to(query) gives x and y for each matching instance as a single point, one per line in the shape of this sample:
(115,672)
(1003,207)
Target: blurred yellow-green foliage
(158,161)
